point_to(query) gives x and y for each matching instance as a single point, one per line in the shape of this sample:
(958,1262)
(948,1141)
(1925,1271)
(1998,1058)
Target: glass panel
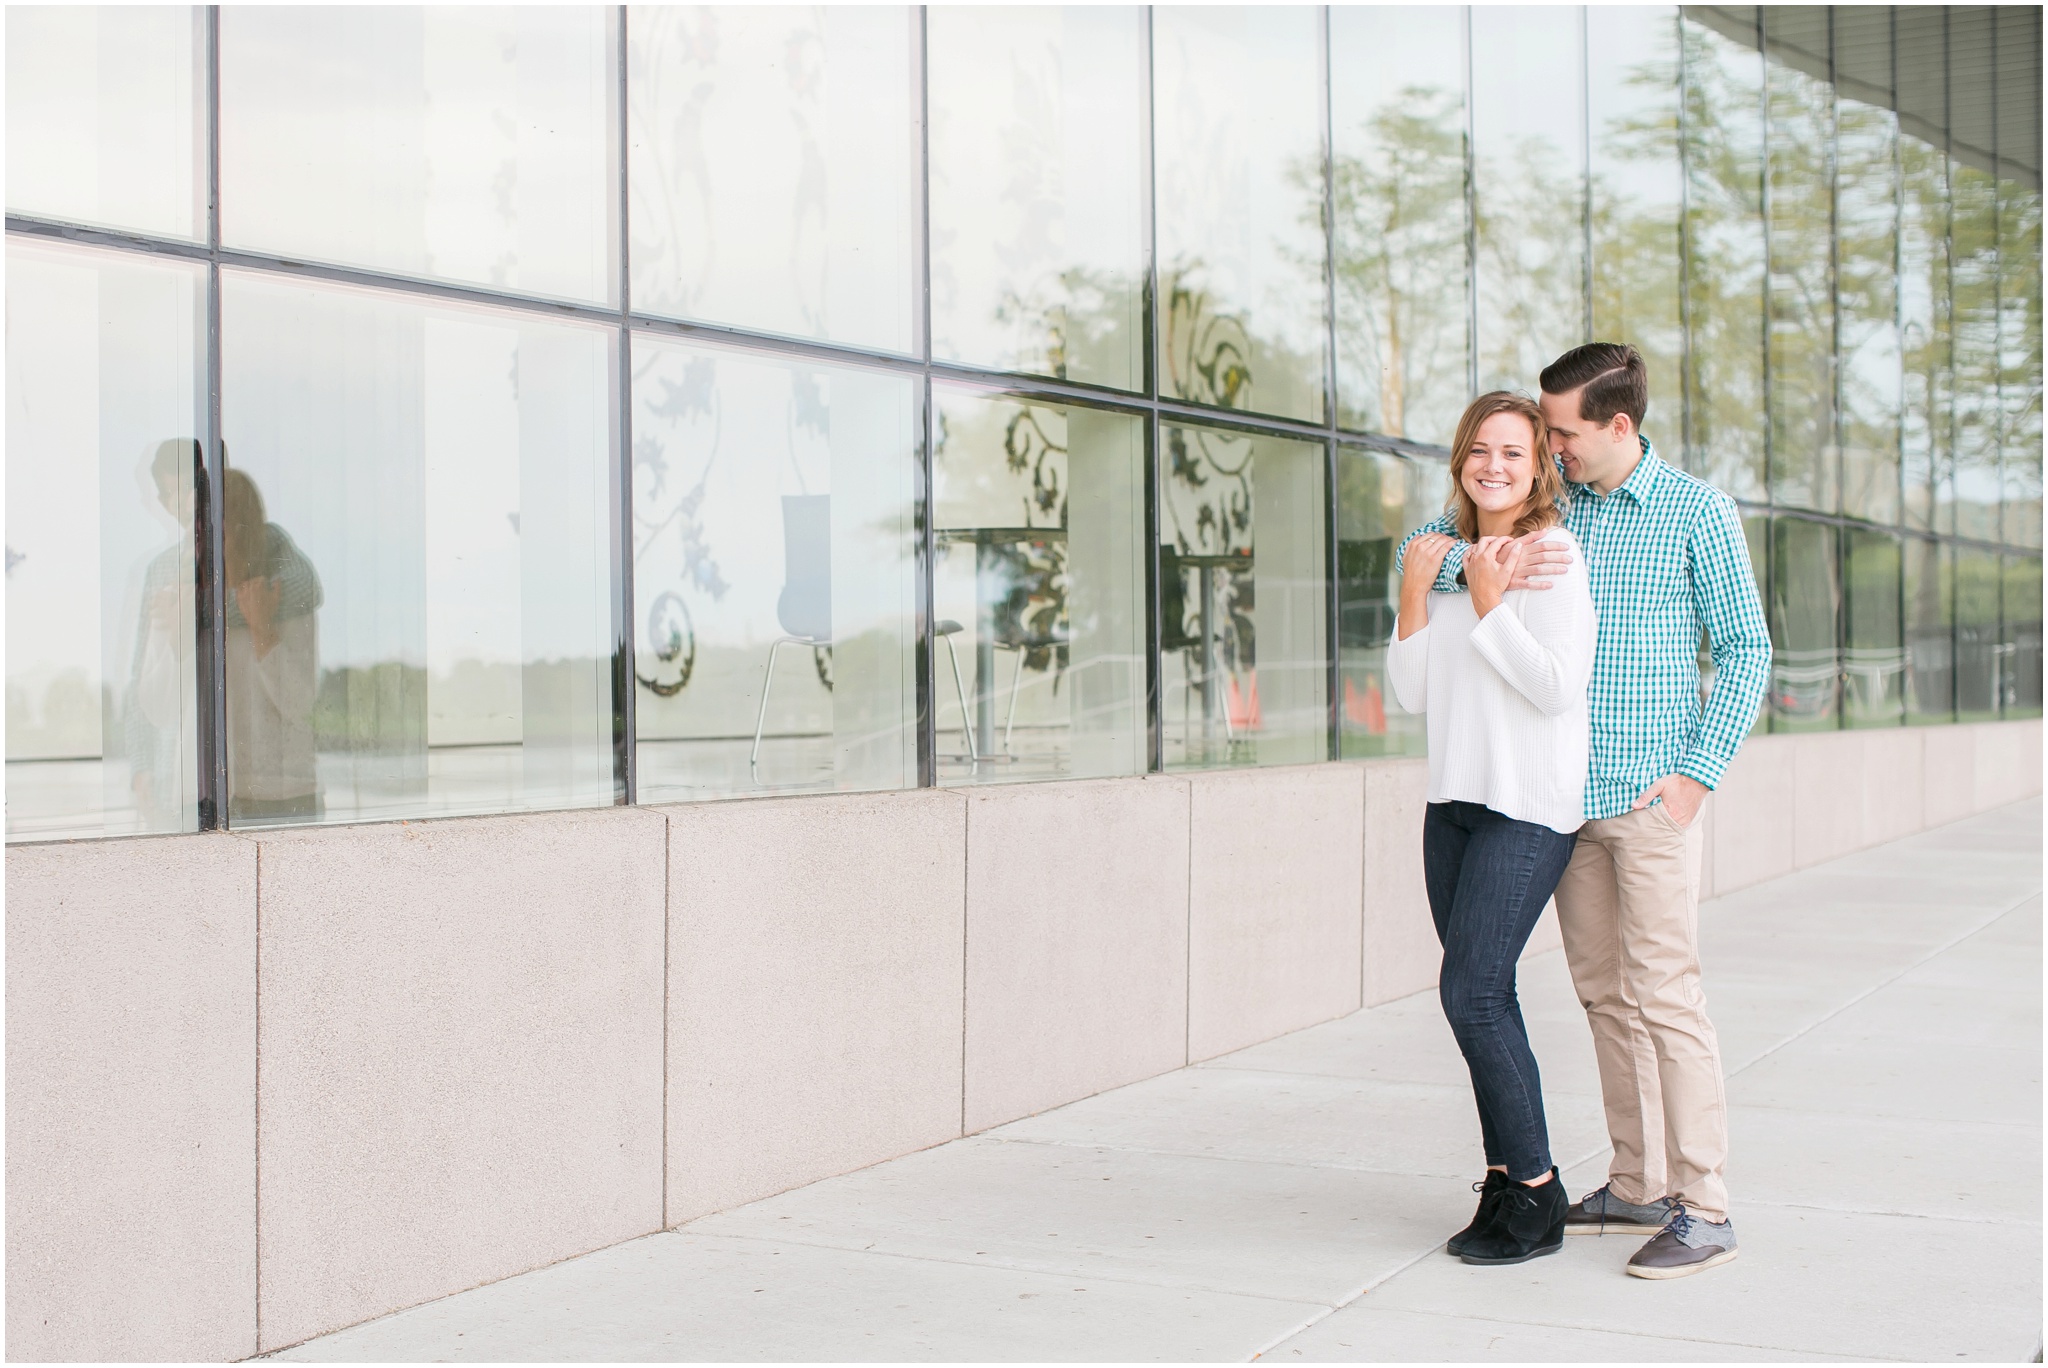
(1038,590)
(1238,148)
(774,168)
(1930,632)
(1756,534)
(1638,189)
(2019,347)
(1381,498)
(1867,263)
(2020,675)
(1244,668)
(105,407)
(1802,315)
(1397,110)
(1974,246)
(1805,598)
(1974,242)
(1038,190)
(1874,659)
(1924,305)
(451,142)
(418,549)
(1725,234)
(1977,654)
(103,116)
(1528,189)
(773,574)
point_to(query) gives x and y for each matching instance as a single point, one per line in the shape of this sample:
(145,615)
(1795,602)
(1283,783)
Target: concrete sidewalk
(1881,1023)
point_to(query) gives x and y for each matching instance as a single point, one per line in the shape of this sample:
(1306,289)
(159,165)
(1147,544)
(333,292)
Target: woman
(1502,675)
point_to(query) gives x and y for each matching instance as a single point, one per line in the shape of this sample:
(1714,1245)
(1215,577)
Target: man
(1667,561)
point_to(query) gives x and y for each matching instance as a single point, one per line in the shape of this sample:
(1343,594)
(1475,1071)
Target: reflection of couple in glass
(1549,626)
(273,662)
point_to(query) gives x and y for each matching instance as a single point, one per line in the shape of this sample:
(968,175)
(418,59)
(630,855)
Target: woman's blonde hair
(1546,496)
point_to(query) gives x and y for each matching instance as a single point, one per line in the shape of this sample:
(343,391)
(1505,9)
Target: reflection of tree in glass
(1400,221)
(1924,338)
(1973,237)
(2019,339)
(1866,296)
(1725,241)
(1531,264)
(1065,317)
(1802,334)
(1636,235)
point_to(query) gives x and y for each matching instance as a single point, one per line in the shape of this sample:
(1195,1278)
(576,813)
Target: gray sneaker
(1687,1246)
(1600,1212)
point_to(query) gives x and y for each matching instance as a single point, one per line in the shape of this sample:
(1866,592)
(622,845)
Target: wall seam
(667,921)
(256,1107)
(966,869)
(1187,1014)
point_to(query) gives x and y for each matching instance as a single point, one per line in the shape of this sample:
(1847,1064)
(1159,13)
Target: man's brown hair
(1546,495)
(1612,375)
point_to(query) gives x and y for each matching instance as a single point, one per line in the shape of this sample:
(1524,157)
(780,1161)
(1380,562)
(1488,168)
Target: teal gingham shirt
(1667,559)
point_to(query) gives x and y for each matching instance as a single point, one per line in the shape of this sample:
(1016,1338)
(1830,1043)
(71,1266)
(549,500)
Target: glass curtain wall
(1397,124)
(548,406)
(1243,599)
(1637,189)
(1038,589)
(1381,497)
(1528,190)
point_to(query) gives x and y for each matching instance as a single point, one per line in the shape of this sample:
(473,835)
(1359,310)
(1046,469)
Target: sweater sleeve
(1408,670)
(1542,643)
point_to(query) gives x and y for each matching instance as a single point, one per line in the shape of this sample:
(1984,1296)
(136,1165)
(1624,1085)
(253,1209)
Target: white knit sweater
(1506,696)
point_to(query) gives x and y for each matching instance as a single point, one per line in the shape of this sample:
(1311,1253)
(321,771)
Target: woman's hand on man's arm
(1423,559)
(1490,568)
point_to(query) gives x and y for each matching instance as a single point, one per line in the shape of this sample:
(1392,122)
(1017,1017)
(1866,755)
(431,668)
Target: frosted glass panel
(1238,148)
(459,143)
(1397,111)
(775,168)
(104,116)
(104,414)
(1528,189)
(773,574)
(1038,189)
(417,528)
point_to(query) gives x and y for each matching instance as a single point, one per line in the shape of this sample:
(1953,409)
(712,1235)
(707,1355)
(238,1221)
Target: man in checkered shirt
(1667,561)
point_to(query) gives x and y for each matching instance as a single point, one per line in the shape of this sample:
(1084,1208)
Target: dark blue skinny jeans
(1488,878)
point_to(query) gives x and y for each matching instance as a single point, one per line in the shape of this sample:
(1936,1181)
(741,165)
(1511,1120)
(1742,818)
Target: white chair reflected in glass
(804,608)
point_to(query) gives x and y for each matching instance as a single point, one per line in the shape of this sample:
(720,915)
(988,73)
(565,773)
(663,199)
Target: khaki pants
(1629,909)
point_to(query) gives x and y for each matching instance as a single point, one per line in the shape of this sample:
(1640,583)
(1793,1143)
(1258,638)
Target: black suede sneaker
(1529,1224)
(1489,1202)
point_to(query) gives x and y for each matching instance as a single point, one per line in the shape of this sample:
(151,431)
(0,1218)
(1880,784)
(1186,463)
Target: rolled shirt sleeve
(1447,581)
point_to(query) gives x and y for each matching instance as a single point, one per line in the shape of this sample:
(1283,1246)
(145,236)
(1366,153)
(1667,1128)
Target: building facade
(983,433)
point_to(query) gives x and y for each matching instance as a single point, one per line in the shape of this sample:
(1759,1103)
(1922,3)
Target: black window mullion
(209,505)
(625,669)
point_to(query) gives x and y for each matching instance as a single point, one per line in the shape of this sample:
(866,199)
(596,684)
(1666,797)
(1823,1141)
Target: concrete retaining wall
(457,1050)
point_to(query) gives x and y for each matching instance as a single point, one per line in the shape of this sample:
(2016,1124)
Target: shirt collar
(1642,481)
